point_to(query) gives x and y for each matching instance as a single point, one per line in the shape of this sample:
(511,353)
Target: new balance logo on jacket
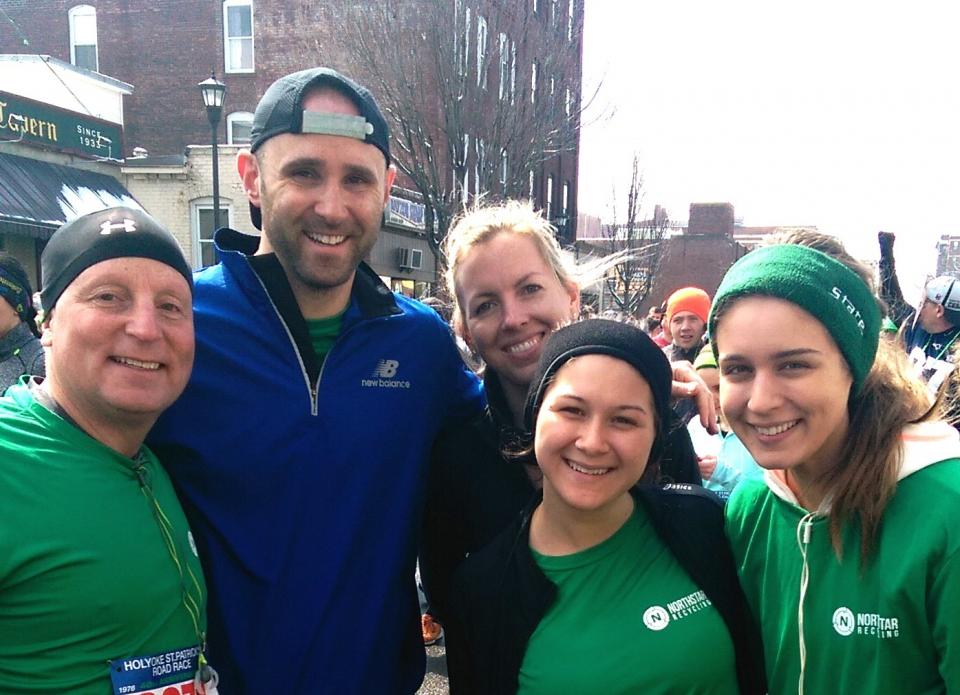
(383,375)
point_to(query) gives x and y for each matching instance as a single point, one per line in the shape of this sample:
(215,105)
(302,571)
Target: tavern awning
(37,197)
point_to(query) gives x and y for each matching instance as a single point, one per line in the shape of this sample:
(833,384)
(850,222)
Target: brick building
(948,255)
(163,48)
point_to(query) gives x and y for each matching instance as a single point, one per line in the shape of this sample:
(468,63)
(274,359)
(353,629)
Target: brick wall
(168,192)
(711,218)
(699,261)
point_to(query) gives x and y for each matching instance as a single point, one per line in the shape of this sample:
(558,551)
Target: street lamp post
(213,92)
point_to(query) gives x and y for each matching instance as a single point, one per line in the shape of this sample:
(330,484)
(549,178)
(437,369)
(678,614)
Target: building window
(478,165)
(548,206)
(238,127)
(503,169)
(533,82)
(201,222)
(465,194)
(530,188)
(238,35)
(481,51)
(513,70)
(463,58)
(565,200)
(83,37)
(504,52)
(569,20)
(536,5)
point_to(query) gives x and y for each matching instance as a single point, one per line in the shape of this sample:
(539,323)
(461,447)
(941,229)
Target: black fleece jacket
(474,492)
(500,595)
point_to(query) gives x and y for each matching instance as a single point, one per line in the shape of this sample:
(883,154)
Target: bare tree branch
(643,241)
(458,94)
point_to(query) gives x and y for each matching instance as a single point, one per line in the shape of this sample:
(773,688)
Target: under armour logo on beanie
(99,236)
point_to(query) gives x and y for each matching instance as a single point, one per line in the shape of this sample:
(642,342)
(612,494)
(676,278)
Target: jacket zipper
(312,389)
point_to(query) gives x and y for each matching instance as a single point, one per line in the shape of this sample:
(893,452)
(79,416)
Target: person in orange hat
(686,315)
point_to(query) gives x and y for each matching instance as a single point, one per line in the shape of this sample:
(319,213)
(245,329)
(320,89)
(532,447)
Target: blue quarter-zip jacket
(306,497)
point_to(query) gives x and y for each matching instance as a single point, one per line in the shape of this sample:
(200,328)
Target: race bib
(169,673)
(932,371)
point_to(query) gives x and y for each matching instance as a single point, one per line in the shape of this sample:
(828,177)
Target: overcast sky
(840,114)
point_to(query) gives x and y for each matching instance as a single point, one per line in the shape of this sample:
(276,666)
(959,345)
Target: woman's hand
(688,384)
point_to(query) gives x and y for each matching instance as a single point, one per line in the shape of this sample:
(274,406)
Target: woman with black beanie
(603,585)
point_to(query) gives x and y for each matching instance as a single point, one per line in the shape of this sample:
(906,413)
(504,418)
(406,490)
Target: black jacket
(500,594)
(474,492)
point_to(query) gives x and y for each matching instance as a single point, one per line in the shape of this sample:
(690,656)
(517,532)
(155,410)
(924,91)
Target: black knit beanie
(601,337)
(99,236)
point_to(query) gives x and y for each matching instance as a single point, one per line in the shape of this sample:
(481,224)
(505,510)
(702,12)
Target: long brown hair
(864,479)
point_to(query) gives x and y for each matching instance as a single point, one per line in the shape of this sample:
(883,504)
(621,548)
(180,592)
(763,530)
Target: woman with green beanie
(849,548)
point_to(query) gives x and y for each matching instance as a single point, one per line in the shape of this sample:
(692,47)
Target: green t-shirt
(85,574)
(627,619)
(323,334)
(891,629)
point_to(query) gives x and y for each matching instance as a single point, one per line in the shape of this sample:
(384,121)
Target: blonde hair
(484,221)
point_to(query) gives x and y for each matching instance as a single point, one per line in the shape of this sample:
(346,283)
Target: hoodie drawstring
(804,532)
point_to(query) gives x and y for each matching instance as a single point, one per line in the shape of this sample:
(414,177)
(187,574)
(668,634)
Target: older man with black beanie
(100,577)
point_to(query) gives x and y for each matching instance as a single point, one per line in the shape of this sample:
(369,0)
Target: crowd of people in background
(225,481)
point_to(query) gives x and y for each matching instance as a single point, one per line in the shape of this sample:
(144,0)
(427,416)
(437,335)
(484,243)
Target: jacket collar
(16,337)
(368,293)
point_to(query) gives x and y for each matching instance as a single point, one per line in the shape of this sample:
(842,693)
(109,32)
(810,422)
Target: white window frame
(72,14)
(228,40)
(466,43)
(503,45)
(478,164)
(548,206)
(565,199)
(465,196)
(481,51)
(533,82)
(196,243)
(234,117)
(513,70)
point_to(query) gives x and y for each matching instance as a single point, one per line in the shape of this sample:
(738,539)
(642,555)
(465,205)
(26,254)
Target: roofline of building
(121,87)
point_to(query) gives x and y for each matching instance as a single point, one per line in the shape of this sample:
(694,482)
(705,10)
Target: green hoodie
(893,627)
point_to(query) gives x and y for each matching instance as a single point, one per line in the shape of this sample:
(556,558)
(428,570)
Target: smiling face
(687,329)
(321,198)
(511,300)
(784,385)
(593,435)
(120,342)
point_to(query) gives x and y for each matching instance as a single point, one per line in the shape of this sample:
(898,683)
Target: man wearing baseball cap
(100,581)
(300,444)
(931,339)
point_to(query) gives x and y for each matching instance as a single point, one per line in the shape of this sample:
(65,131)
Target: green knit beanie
(823,286)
